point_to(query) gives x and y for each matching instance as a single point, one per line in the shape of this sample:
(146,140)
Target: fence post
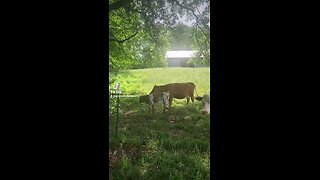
(117,115)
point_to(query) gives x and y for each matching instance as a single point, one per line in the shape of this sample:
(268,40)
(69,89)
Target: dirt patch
(115,156)
(130,113)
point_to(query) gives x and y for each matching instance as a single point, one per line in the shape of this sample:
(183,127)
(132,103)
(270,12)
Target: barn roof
(180,54)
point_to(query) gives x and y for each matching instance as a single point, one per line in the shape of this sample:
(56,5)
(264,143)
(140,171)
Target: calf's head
(144,98)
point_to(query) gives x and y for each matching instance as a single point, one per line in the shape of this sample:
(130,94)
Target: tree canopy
(141,31)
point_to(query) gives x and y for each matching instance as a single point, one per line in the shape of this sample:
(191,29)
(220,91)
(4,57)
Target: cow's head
(144,98)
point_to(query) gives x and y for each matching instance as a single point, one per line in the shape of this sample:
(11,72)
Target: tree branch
(122,41)
(200,45)
(202,31)
(194,14)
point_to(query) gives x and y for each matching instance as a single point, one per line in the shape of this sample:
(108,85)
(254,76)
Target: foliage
(181,37)
(139,31)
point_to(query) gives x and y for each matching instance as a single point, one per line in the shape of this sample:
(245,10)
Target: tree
(180,37)
(139,31)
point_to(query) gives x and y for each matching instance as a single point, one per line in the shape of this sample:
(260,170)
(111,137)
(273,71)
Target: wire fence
(117,95)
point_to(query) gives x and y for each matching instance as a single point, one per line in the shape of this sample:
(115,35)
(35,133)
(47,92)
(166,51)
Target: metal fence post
(117,115)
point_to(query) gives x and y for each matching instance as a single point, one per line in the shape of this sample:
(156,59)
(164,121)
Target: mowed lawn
(172,145)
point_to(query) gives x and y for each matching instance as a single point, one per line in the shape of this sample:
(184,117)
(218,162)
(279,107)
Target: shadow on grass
(160,145)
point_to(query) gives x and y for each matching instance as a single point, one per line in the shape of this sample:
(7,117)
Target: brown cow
(177,90)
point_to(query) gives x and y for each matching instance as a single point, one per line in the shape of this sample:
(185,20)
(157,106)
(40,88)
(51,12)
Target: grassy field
(160,145)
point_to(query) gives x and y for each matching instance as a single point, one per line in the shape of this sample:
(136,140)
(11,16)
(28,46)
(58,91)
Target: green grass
(160,145)
(142,81)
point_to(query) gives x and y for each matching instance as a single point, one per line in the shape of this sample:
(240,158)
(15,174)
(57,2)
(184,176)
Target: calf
(205,103)
(144,98)
(154,98)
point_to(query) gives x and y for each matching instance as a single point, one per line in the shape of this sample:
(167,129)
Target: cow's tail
(198,98)
(195,89)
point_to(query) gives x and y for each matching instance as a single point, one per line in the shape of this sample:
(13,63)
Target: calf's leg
(164,105)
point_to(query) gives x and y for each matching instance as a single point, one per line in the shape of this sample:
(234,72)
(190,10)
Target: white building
(179,58)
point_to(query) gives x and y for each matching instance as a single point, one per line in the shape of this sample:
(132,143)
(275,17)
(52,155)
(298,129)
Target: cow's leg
(164,105)
(153,108)
(170,103)
(150,102)
(188,99)
(192,99)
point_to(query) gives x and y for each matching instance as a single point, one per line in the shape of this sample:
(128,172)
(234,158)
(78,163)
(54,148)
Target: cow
(154,98)
(205,103)
(177,90)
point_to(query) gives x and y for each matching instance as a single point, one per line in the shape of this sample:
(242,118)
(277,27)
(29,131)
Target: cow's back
(177,90)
